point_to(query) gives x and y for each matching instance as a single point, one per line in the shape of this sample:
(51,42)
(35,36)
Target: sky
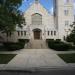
(48,4)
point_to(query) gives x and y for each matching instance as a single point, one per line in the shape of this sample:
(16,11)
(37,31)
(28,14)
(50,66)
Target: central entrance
(37,34)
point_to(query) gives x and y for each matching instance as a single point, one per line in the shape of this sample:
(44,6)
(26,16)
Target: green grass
(5,58)
(68,58)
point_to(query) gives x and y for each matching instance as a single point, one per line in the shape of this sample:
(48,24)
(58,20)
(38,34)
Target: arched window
(36,19)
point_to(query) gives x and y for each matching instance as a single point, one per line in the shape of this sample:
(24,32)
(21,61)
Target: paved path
(28,59)
(35,58)
(28,50)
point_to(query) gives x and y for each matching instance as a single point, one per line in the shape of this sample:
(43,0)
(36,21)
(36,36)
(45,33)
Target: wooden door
(36,34)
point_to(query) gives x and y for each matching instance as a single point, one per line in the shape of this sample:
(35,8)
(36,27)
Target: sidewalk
(36,59)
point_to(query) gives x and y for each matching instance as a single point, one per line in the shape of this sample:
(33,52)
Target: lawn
(68,58)
(5,58)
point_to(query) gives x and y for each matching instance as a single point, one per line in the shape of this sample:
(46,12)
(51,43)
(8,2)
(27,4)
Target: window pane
(48,33)
(54,32)
(51,32)
(36,19)
(66,12)
(21,33)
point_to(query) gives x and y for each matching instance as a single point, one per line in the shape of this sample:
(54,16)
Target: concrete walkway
(28,59)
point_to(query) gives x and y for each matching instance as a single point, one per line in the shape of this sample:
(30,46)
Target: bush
(10,46)
(47,40)
(73,47)
(13,46)
(22,42)
(63,47)
(58,45)
(58,40)
(71,38)
(2,48)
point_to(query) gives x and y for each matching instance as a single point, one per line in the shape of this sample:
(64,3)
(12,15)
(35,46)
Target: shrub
(12,46)
(15,46)
(63,47)
(49,40)
(22,42)
(73,47)
(58,40)
(58,45)
(2,48)
(71,38)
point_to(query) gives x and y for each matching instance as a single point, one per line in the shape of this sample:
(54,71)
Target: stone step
(37,44)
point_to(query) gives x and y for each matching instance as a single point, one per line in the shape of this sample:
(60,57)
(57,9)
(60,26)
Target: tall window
(52,33)
(24,33)
(36,19)
(21,33)
(66,12)
(48,33)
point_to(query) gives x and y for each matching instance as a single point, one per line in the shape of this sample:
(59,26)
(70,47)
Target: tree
(10,16)
(71,36)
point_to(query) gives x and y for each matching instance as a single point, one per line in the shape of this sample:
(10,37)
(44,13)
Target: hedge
(58,45)
(15,46)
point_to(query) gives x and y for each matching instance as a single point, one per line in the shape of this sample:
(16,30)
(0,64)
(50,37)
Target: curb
(39,69)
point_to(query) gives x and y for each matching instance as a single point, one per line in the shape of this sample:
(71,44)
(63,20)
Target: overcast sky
(48,4)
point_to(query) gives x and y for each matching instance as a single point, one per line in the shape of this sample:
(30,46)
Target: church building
(41,25)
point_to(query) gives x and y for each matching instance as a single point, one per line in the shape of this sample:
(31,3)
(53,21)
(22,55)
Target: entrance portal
(37,33)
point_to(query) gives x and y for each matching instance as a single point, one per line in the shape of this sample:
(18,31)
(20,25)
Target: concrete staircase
(37,44)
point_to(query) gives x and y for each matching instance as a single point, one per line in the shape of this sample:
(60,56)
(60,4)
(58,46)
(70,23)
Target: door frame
(40,32)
